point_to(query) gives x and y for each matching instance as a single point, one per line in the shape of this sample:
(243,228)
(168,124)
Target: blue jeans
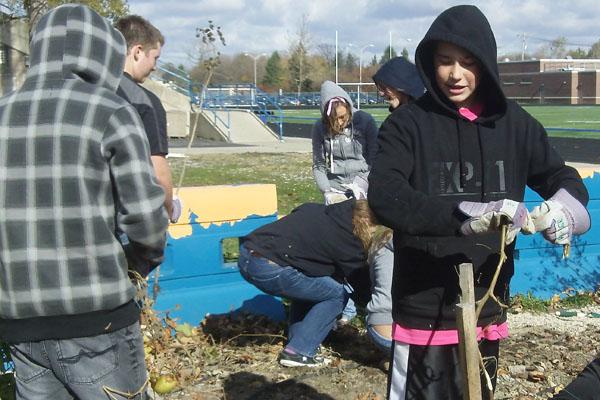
(349,311)
(82,368)
(383,343)
(315,305)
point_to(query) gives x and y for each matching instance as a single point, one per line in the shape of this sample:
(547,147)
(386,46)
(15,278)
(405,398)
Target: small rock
(536,376)
(522,375)
(517,369)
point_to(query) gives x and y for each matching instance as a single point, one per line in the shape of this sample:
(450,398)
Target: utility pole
(336,57)
(523,37)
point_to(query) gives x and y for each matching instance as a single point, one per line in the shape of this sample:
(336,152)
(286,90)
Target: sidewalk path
(296,145)
(288,145)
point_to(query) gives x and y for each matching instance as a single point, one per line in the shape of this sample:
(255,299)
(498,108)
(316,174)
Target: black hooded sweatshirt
(430,159)
(314,238)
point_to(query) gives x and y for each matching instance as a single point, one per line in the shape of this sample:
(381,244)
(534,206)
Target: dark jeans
(87,368)
(315,305)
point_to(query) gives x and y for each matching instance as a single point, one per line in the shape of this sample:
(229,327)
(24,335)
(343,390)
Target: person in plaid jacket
(74,168)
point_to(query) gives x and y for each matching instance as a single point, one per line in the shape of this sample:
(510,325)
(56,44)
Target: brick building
(552,81)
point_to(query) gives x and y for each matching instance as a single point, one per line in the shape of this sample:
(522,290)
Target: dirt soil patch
(235,358)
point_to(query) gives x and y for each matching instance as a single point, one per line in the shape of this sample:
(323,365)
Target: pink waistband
(438,338)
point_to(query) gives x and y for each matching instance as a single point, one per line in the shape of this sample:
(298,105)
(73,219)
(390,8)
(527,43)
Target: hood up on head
(74,42)
(402,75)
(329,90)
(467,27)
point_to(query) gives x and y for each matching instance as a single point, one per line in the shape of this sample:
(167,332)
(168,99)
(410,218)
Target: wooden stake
(467,330)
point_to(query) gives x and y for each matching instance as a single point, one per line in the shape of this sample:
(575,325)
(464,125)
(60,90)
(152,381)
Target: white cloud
(266,26)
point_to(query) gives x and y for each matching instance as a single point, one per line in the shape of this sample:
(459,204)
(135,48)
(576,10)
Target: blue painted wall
(194,280)
(539,266)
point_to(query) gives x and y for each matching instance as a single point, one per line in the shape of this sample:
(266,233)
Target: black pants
(585,387)
(433,372)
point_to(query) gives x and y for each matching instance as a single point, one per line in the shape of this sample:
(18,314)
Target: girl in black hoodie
(307,257)
(450,165)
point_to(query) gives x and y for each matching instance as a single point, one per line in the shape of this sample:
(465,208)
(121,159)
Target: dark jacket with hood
(430,159)
(402,75)
(75,167)
(314,238)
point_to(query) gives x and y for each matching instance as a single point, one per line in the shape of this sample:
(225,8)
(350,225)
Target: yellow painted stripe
(223,204)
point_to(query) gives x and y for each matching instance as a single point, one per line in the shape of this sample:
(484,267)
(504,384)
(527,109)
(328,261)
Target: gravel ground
(543,354)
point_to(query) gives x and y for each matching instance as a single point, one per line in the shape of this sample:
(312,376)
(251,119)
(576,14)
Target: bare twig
(254,335)
(488,379)
(490,292)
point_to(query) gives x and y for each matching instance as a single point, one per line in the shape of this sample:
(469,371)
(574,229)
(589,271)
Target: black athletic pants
(433,372)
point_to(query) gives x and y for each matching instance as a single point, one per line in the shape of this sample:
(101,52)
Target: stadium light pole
(360,72)
(255,58)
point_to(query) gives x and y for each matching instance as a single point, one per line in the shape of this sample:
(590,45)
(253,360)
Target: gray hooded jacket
(336,161)
(74,166)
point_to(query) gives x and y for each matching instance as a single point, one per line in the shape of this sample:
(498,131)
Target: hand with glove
(489,217)
(561,217)
(334,197)
(177,207)
(359,187)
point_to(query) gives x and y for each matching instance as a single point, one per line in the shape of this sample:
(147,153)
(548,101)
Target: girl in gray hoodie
(344,144)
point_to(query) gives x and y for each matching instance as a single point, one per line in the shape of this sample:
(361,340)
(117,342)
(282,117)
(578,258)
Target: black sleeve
(585,386)
(157,132)
(392,198)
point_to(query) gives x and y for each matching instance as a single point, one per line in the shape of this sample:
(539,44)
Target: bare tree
(556,48)
(298,61)
(327,52)
(34,9)
(208,58)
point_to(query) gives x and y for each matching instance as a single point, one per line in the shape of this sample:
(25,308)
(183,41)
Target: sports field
(559,120)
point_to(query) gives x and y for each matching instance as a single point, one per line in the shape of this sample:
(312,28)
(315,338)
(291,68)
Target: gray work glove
(488,217)
(334,197)
(560,217)
(177,207)
(359,187)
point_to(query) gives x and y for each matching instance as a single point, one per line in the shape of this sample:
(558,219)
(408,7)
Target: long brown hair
(367,229)
(330,115)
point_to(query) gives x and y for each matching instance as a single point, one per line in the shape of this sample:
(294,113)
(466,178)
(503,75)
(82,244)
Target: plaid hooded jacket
(74,167)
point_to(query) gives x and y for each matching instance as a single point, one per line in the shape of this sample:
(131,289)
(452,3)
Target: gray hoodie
(381,271)
(336,161)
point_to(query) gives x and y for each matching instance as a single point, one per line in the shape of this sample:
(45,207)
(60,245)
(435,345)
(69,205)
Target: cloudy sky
(257,27)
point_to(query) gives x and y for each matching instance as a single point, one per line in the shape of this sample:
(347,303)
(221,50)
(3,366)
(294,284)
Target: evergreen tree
(351,62)
(405,54)
(577,53)
(273,71)
(594,51)
(386,55)
(374,61)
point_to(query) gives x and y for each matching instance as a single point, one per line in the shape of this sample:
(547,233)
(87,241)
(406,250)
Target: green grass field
(291,172)
(570,117)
